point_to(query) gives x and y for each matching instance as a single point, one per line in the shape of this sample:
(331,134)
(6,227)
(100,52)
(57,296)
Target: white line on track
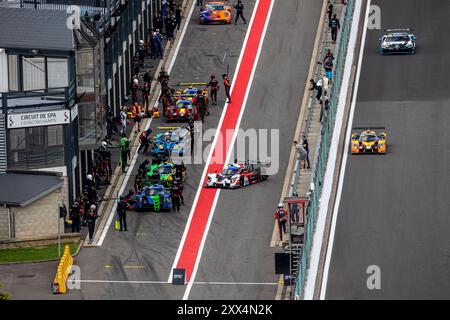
(329,174)
(165,282)
(133,161)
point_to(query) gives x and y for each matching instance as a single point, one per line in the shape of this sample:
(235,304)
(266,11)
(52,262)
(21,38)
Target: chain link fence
(322,148)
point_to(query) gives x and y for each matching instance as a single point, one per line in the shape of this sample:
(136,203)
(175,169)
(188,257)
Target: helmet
(280,205)
(93,206)
(89,177)
(141,42)
(104,144)
(213,76)
(136,81)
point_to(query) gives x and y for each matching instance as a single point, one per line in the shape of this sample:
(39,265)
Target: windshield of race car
(183,105)
(165,170)
(368,138)
(215,7)
(229,172)
(402,38)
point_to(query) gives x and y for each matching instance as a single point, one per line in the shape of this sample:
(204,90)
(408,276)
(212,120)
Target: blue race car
(154,198)
(169,143)
(398,41)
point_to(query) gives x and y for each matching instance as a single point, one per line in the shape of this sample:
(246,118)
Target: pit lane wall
(322,149)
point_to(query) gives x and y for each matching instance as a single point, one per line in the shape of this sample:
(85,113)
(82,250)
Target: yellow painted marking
(125,267)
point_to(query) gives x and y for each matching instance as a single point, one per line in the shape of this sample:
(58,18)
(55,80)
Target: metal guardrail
(322,148)
(296,174)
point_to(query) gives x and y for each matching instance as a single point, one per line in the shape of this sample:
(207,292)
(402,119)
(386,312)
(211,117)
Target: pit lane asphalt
(147,251)
(237,248)
(394,210)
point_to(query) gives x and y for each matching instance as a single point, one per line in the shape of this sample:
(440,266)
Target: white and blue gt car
(398,41)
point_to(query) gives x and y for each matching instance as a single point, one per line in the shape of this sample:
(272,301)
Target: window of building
(57,72)
(13,80)
(33,73)
(36,147)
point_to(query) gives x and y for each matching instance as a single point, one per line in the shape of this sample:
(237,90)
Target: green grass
(48,252)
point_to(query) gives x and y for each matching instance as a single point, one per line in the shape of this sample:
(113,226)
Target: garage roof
(35,29)
(19,189)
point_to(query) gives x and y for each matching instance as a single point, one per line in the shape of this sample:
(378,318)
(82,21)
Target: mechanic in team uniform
(227,86)
(214,84)
(124,151)
(280,216)
(201,104)
(239,6)
(122,213)
(191,130)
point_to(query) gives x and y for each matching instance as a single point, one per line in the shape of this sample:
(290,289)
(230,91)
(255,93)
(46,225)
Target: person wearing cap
(214,84)
(91,217)
(280,217)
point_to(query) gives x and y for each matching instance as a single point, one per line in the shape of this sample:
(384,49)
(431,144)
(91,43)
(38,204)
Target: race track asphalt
(237,248)
(394,210)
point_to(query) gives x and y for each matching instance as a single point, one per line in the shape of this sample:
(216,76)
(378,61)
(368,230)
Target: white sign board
(36,119)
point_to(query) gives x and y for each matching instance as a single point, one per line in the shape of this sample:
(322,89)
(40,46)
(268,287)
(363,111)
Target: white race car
(237,175)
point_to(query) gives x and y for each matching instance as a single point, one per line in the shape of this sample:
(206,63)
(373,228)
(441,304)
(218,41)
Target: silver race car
(397,41)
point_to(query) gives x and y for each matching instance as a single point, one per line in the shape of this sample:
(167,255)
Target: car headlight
(355,146)
(381,145)
(409,44)
(385,45)
(175,147)
(161,147)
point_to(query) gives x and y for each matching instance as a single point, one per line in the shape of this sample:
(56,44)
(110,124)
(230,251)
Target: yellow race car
(215,12)
(369,141)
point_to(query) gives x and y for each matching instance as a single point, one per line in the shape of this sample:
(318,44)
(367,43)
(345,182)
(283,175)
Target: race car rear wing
(262,163)
(398,30)
(358,130)
(188,84)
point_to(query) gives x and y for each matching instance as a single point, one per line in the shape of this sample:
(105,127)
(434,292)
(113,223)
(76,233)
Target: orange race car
(368,141)
(215,12)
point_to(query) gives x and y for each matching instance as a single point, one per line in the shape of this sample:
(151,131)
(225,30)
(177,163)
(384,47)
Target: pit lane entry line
(194,236)
(219,283)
